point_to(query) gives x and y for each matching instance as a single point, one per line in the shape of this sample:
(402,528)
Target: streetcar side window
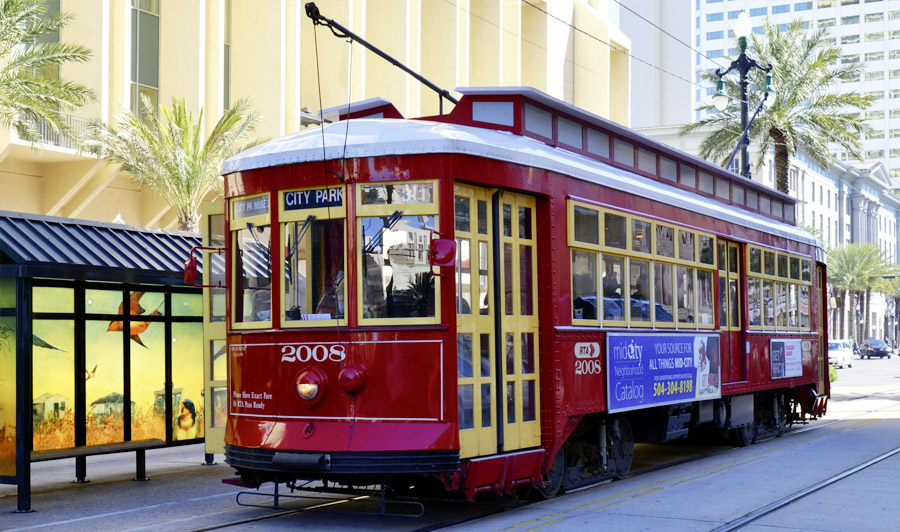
(313,240)
(396,221)
(252,268)
(778,290)
(642,274)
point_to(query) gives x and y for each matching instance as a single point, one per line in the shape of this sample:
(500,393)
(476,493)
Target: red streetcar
(506,296)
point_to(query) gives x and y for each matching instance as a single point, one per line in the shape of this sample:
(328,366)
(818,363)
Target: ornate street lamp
(742,64)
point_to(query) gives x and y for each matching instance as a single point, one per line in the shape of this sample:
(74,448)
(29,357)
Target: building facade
(866,31)
(212,52)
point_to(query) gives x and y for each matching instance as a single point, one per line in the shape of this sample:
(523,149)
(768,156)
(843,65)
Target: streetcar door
(215,395)
(476,383)
(517,341)
(733,354)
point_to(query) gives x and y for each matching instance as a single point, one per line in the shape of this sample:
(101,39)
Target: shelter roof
(78,249)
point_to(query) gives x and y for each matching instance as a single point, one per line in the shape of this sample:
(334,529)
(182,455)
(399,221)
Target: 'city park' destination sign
(313,199)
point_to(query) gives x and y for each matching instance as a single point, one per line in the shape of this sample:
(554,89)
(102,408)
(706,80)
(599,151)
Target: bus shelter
(101,337)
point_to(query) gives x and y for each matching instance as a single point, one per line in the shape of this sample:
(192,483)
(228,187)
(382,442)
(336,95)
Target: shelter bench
(81,453)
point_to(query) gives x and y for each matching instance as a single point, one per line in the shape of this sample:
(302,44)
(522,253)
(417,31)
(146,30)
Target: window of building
(849,39)
(894,15)
(874,17)
(894,133)
(849,2)
(758,30)
(874,115)
(845,21)
(873,37)
(713,17)
(784,8)
(849,58)
(895,74)
(895,113)
(894,54)
(875,95)
(734,14)
(895,172)
(875,154)
(895,152)
(144,55)
(713,54)
(875,134)
(874,56)
(759,12)
(802,6)
(826,22)
(874,76)
(827,41)
(825,3)
(894,34)
(713,35)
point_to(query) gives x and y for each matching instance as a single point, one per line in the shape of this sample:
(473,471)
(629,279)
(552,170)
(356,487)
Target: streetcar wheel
(744,436)
(779,412)
(621,446)
(552,486)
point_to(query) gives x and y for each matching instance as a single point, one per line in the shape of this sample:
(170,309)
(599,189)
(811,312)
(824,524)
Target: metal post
(24,380)
(745,145)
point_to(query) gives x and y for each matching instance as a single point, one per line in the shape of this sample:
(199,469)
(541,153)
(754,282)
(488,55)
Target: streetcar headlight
(308,390)
(310,384)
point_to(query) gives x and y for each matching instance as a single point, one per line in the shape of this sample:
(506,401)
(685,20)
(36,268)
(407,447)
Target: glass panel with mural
(52,299)
(7,379)
(187,381)
(187,304)
(52,405)
(148,381)
(103,386)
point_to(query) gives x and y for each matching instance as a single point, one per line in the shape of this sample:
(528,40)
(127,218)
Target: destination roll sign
(313,199)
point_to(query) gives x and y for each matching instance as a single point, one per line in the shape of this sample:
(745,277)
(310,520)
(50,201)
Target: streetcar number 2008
(587,367)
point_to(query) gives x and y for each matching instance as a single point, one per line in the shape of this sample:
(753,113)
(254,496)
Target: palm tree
(807,112)
(857,269)
(28,96)
(167,154)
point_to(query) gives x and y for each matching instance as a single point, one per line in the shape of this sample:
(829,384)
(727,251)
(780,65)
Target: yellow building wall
(284,64)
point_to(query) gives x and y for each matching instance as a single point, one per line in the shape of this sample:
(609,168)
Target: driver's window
(252,268)
(314,244)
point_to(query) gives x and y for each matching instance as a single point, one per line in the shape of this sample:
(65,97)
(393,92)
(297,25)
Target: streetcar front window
(254,274)
(314,270)
(396,276)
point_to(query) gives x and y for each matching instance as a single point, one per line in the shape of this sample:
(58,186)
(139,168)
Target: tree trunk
(782,161)
(842,315)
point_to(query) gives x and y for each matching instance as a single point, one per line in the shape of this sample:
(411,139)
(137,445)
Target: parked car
(875,348)
(840,353)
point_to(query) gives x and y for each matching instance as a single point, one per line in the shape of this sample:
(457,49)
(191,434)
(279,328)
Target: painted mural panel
(187,376)
(52,408)
(53,299)
(148,383)
(104,385)
(187,304)
(7,383)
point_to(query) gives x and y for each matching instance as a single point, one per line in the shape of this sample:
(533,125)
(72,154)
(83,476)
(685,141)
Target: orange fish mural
(136,327)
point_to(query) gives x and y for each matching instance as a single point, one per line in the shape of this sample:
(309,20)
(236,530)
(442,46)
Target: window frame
(383,210)
(234,226)
(288,216)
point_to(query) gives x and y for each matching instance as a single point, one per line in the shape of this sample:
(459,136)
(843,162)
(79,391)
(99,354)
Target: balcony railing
(49,136)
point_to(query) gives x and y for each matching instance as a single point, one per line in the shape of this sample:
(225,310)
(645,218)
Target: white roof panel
(378,137)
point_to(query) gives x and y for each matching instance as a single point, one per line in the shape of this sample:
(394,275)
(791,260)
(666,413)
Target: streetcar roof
(373,137)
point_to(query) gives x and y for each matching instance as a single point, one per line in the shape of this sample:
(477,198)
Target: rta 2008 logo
(315,352)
